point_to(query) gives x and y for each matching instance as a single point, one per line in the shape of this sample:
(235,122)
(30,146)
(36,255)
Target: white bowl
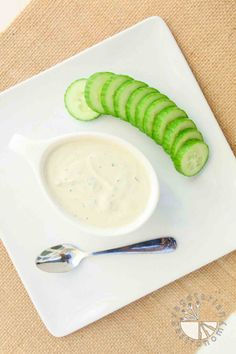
(37,151)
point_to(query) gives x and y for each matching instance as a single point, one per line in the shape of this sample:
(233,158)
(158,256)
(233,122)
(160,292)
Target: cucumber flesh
(93,90)
(184,135)
(75,101)
(191,157)
(173,129)
(142,107)
(122,95)
(163,119)
(152,111)
(108,91)
(134,100)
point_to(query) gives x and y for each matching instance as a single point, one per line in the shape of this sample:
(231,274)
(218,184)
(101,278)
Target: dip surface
(98,181)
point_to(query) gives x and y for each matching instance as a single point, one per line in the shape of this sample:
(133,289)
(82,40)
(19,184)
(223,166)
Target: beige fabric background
(49,31)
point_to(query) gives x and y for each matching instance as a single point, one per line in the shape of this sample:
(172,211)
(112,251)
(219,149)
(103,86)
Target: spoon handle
(158,245)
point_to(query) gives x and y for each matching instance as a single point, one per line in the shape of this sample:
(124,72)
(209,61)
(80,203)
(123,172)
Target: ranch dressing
(98,181)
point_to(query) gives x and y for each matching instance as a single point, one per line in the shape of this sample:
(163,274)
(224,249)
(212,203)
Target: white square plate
(198,211)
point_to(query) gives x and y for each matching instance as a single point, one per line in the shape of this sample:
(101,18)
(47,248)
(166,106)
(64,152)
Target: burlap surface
(49,31)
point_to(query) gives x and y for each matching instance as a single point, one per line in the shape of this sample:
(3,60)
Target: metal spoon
(65,257)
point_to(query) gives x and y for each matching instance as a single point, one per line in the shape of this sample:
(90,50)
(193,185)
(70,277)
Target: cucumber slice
(122,95)
(184,135)
(142,107)
(164,118)
(173,129)
(191,157)
(108,90)
(155,108)
(93,90)
(134,100)
(75,101)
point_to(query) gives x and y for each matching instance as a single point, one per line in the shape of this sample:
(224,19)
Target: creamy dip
(98,181)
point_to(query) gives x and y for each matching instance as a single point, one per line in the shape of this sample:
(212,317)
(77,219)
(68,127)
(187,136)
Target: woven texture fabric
(49,31)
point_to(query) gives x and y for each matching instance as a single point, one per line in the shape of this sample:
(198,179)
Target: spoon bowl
(60,258)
